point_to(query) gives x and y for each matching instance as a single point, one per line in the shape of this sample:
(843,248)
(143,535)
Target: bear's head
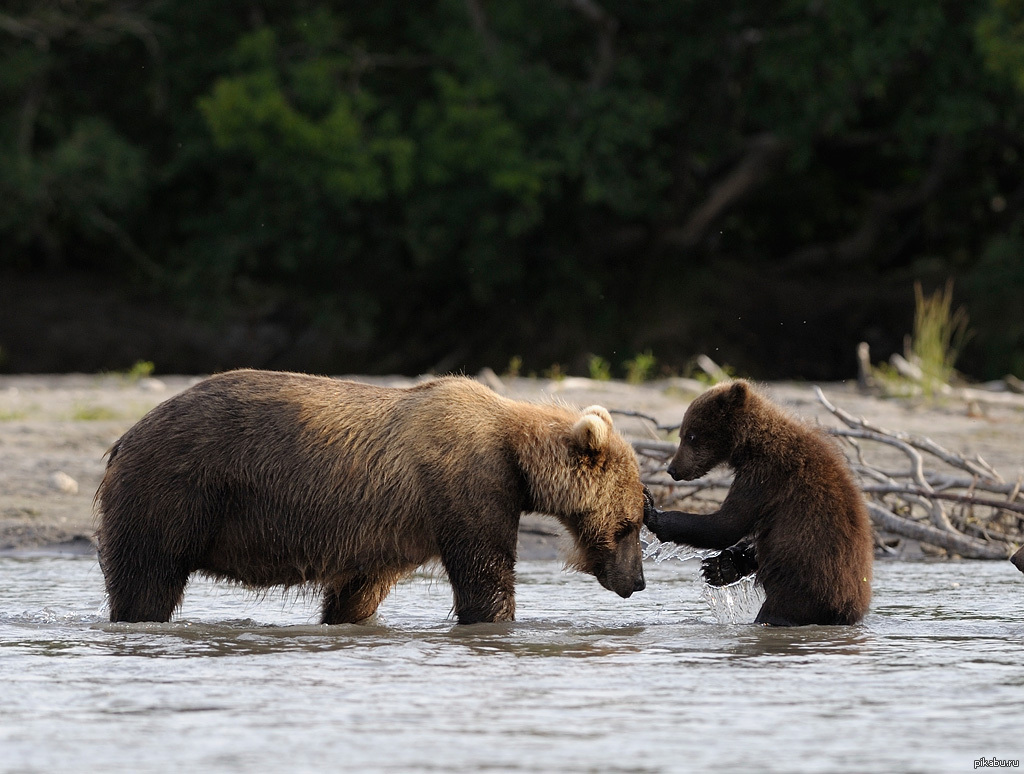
(710,430)
(598,496)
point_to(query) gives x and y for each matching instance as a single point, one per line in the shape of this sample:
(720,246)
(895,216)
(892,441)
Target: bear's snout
(623,586)
(674,472)
(623,571)
(639,584)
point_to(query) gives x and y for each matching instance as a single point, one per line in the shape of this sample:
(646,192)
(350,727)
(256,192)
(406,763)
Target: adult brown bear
(269,478)
(792,493)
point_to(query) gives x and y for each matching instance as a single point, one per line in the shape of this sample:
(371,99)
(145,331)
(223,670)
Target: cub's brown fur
(1018,559)
(792,493)
(270,478)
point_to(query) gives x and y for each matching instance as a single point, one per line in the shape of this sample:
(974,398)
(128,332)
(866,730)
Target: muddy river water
(932,681)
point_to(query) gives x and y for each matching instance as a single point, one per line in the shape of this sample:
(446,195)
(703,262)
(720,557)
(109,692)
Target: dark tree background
(390,186)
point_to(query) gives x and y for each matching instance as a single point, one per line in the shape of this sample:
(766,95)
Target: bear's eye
(623,531)
(691,437)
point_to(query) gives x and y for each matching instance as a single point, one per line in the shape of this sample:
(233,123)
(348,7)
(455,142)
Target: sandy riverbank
(55,431)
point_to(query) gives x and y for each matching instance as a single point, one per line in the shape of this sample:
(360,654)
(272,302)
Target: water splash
(48,616)
(735,603)
(654,548)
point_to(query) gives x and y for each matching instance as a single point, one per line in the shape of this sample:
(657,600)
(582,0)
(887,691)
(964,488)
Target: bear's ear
(590,433)
(599,411)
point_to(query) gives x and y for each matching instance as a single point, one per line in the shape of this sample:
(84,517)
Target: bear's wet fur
(270,478)
(792,492)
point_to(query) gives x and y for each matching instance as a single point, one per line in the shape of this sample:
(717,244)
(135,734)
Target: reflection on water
(583,681)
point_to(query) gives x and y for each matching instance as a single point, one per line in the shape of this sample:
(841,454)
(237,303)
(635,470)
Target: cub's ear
(590,433)
(737,393)
(599,411)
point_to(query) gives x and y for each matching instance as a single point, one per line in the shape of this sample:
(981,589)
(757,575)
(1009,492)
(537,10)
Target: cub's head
(709,431)
(602,504)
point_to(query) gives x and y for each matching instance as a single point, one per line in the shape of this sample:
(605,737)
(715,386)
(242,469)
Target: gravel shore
(56,430)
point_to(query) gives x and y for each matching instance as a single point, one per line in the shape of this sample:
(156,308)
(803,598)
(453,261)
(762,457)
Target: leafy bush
(453,183)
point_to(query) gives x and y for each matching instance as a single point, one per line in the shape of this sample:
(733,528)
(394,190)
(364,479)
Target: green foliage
(1000,34)
(710,380)
(599,369)
(71,191)
(939,334)
(555,372)
(893,384)
(326,138)
(998,279)
(640,368)
(442,186)
(141,369)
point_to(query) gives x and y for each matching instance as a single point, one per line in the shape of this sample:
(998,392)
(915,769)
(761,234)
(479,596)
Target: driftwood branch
(951,541)
(478,20)
(762,154)
(969,510)
(976,466)
(899,500)
(963,499)
(606,27)
(647,417)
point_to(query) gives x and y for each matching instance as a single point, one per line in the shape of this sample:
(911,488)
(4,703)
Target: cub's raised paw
(730,565)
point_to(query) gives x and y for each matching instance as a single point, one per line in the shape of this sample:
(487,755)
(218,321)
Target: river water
(582,681)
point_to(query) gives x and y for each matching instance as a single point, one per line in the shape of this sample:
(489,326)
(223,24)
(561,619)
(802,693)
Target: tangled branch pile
(929,494)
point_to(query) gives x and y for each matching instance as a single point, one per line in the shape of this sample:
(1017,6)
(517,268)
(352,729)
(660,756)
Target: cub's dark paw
(730,565)
(653,517)
(649,509)
(651,522)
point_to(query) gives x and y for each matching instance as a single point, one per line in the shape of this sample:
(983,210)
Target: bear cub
(792,495)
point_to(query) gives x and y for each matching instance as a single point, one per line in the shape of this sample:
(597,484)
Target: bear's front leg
(483,580)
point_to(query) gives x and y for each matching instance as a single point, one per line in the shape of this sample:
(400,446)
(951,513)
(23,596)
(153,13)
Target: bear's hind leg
(144,571)
(149,595)
(792,607)
(773,619)
(358,598)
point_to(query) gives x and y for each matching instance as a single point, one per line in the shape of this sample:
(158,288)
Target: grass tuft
(939,335)
(640,368)
(599,368)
